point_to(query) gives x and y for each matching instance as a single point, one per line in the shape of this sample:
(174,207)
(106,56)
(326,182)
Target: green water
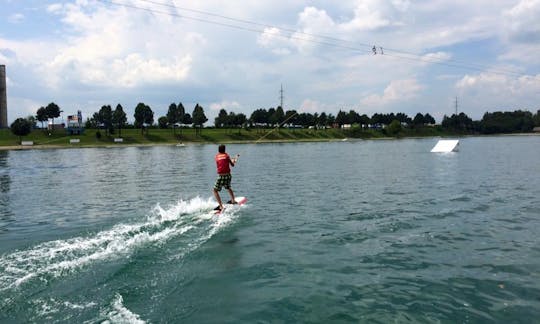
(353,231)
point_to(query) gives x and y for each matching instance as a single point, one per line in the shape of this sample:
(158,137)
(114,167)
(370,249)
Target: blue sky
(236,54)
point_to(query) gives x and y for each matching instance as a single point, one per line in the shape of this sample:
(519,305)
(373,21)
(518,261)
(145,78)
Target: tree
(231,120)
(119,118)
(91,122)
(418,120)
(270,116)
(306,119)
(536,118)
(172,116)
(507,122)
(187,120)
(353,117)
(278,116)
(403,118)
(259,117)
(97,119)
(32,120)
(21,127)
(41,115)
(143,116)
(459,122)
(377,119)
(365,121)
(181,113)
(240,120)
(163,122)
(106,118)
(331,119)
(428,119)
(53,111)
(341,118)
(182,118)
(291,116)
(323,120)
(221,119)
(199,118)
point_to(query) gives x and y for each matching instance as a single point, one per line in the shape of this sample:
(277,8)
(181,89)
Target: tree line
(177,117)
(144,118)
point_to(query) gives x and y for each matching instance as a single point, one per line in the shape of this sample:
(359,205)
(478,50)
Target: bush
(394,128)
(98,135)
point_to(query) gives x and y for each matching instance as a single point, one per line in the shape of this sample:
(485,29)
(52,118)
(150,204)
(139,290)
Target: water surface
(354,231)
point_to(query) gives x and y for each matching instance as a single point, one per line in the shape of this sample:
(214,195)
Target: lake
(371,231)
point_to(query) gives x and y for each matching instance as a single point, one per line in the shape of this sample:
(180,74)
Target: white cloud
(22,107)
(490,92)
(55,8)
(16,18)
(521,32)
(522,21)
(229,106)
(314,106)
(368,15)
(398,90)
(272,38)
(95,52)
(111,50)
(436,57)
(268,36)
(401,5)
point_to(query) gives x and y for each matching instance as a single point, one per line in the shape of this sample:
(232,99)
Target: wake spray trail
(55,259)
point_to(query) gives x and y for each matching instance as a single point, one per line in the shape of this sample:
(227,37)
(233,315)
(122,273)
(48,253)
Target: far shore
(186,143)
(118,145)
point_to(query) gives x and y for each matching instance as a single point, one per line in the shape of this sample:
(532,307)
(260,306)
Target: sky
(236,55)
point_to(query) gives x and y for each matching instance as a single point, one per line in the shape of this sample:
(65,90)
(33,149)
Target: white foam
(217,223)
(181,208)
(120,314)
(57,258)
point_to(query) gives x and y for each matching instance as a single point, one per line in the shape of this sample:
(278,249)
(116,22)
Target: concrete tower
(3,97)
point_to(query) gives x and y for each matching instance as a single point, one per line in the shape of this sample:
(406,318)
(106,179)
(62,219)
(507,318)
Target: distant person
(223,163)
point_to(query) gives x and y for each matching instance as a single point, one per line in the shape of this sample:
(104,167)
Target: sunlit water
(354,231)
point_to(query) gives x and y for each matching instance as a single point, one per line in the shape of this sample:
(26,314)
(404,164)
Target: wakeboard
(239,201)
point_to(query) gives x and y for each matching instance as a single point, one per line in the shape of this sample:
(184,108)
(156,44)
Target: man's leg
(232,195)
(218,198)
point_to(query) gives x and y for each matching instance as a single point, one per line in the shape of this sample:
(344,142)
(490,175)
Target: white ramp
(445,146)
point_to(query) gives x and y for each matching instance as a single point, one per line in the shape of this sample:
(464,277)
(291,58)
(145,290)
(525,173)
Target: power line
(259,31)
(478,66)
(250,22)
(310,37)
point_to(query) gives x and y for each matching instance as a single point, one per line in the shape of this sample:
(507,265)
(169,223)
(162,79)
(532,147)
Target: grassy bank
(90,138)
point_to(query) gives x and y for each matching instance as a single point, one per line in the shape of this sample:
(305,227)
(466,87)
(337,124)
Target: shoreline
(188,143)
(180,144)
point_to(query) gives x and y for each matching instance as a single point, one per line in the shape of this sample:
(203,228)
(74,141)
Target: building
(75,124)
(3,98)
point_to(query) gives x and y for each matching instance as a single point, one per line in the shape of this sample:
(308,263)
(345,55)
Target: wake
(58,258)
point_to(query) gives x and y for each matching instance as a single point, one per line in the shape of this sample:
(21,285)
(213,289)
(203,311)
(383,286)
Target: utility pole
(456,105)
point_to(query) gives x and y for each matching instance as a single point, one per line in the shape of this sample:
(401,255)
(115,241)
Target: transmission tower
(281,97)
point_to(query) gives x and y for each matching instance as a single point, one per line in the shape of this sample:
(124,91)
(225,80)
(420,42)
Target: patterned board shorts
(223,180)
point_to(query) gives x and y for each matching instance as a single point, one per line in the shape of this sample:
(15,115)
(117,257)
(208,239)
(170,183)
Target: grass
(58,138)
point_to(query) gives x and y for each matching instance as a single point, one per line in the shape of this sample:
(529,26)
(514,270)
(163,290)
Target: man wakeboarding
(223,163)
